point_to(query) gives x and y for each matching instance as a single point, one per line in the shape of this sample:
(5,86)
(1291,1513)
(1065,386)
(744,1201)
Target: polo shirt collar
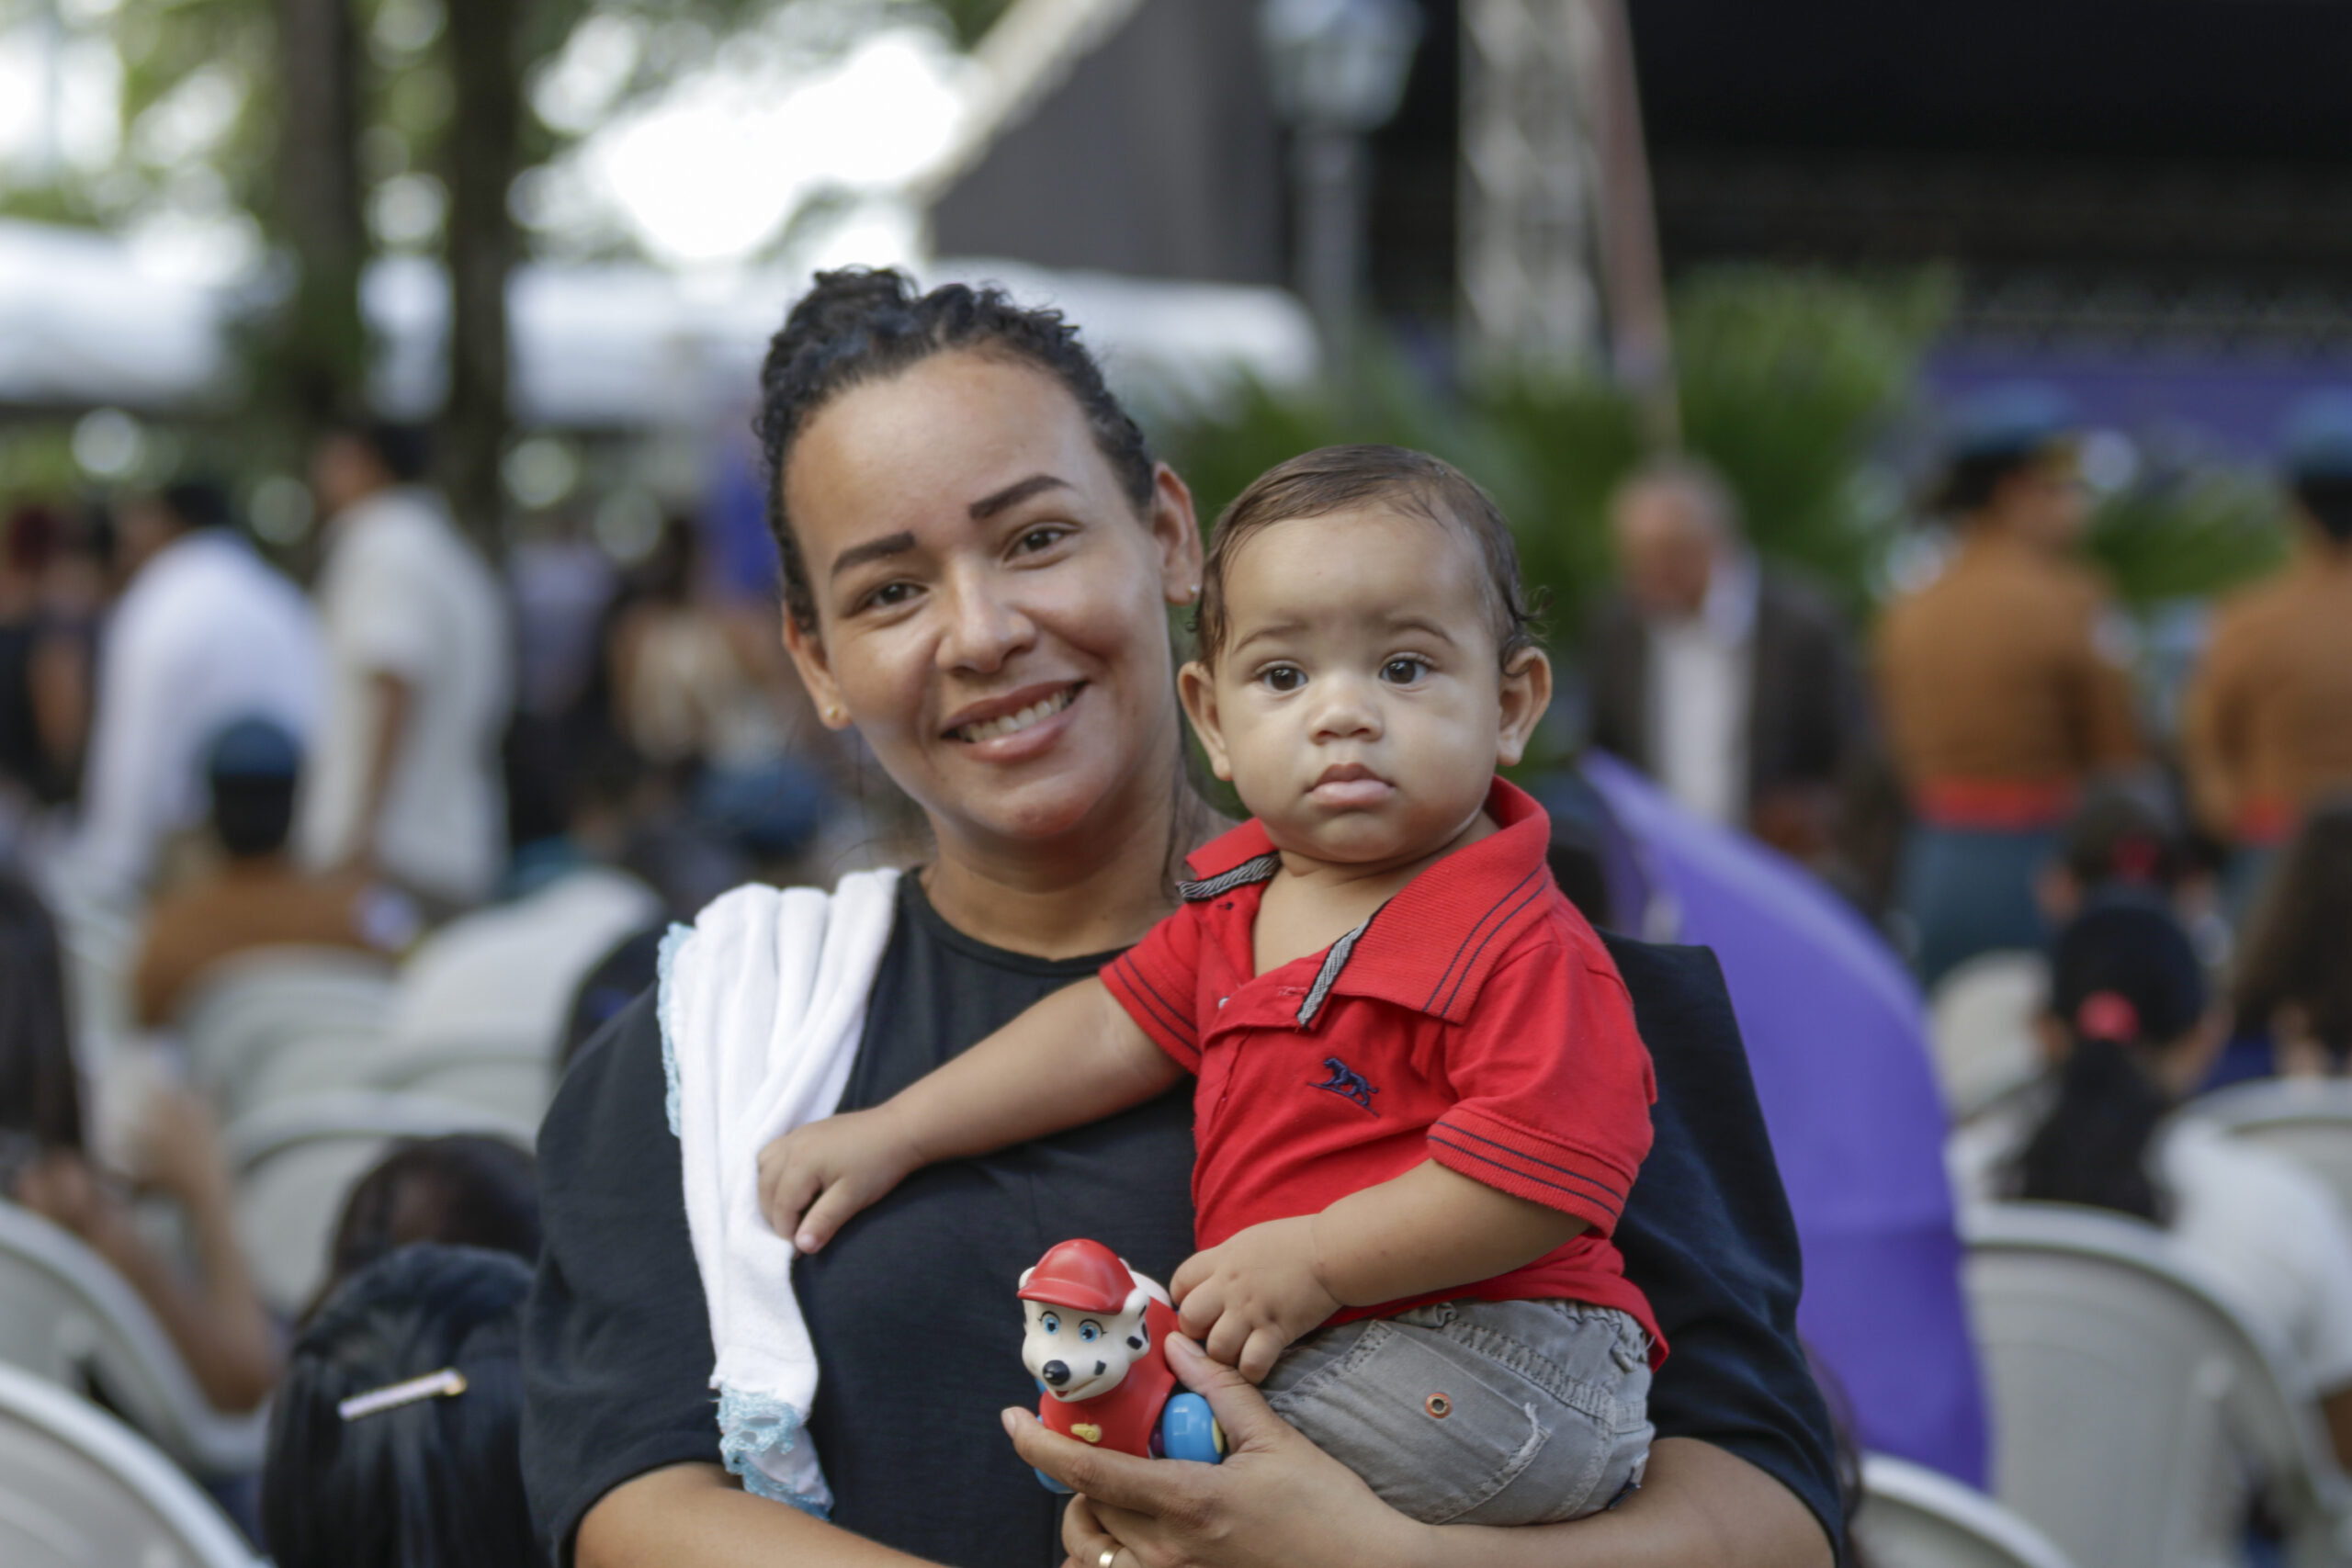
(1431,945)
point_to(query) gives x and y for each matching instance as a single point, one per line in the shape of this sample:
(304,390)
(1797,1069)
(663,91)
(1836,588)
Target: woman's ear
(808,650)
(1527,692)
(1197,689)
(1176,532)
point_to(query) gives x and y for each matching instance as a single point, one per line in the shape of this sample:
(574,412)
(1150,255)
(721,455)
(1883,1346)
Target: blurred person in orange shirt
(2269,722)
(259,897)
(2001,683)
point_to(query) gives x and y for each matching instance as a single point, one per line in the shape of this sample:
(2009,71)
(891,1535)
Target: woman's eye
(1282,678)
(1037,540)
(1088,1331)
(889,594)
(1403,671)
(1049,1323)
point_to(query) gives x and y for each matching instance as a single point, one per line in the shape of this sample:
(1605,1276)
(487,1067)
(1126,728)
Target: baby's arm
(1430,1229)
(1075,1058)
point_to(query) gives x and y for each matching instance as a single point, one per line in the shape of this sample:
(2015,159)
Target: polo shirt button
(1222,1000)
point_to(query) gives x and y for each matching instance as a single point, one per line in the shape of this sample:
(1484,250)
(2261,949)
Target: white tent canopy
(82,324)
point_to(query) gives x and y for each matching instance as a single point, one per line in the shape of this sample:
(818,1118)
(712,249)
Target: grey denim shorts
(1481,1413)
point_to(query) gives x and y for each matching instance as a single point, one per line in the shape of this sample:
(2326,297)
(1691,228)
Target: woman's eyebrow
(1014,494)
(873,549)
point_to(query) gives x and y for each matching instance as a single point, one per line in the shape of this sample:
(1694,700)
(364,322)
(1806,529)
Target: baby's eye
(1089,1331)
(1049,1323)
(1403,671)
(1283,677)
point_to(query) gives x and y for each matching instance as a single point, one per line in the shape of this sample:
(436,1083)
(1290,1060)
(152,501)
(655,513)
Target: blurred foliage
(1787,379)
(972,18)
(2187,533)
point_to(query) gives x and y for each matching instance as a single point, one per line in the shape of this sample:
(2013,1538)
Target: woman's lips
(997,724)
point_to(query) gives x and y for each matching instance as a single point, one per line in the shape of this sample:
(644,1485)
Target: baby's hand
(814,1178)
(1246,1301)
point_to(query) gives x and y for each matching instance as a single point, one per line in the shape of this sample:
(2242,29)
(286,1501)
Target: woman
(392,1444)
(2129,1025)
(461,1189)
(215,1321)
(978,556)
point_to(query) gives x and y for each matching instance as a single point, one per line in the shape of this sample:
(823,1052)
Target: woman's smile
(1001,718)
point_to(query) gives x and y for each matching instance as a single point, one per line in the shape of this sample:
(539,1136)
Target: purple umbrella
(1839,1047)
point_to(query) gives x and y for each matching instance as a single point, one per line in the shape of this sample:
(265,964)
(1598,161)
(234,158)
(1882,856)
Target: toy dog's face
(1078,1355)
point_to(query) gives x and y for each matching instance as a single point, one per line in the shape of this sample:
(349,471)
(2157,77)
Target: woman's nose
(983,628)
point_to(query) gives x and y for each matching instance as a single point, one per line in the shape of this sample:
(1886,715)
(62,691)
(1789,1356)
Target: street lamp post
(1338,69)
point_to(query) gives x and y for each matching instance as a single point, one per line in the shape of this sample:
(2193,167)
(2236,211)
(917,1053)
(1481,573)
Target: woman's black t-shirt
(911,1306)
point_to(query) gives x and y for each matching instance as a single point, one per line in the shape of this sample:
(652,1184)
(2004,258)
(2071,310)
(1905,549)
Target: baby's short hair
(1333,478)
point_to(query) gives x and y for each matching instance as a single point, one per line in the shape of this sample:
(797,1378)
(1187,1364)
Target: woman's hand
(1277,1500)
(1246,1301)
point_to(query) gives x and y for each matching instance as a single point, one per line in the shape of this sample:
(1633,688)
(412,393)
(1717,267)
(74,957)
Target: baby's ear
(1526,693)
(1196,688)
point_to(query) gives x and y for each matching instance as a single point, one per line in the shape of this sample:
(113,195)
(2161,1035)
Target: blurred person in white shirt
(2132,1028)
(205,633)
(405,778)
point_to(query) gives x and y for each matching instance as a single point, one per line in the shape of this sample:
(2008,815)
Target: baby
(1420,1099)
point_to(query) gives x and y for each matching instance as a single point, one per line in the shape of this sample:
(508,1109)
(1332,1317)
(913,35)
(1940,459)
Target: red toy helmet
(1084,1276)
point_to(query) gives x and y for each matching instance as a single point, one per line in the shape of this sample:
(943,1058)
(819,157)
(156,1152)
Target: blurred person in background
(2001,685)
(2293,990)
(2124,844)
(2129,1026)
(205,633)
(701,694)
(404,779)
(44,669)
(464,1190)
(256,897)
(2269,722)
(215,1320)
(393,1442)
(1729,683)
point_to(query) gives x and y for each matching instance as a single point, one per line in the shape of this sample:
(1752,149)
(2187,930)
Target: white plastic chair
(65,1315)
(296,1161)
(277,1020)
(2307,1119)
(1980,1026)
(508,973)
(1913,1518)
(2135,1411)
(78,1489)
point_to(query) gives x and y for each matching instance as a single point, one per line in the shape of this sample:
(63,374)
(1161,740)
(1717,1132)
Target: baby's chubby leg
(1488,1413)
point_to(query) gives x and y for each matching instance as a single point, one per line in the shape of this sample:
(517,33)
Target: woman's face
(991,609)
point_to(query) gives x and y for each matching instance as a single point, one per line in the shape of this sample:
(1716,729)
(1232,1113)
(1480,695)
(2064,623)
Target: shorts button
(1438,1405)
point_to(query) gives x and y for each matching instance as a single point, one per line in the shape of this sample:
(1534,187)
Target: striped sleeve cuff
(1511,1159)
(1156,1009)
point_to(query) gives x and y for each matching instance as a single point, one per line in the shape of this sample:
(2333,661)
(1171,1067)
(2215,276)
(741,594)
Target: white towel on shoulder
(762,1002)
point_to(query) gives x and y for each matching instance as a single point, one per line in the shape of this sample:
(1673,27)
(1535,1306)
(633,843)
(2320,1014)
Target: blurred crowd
(449,806)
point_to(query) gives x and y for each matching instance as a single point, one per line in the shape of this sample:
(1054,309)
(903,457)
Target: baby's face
(1358,705)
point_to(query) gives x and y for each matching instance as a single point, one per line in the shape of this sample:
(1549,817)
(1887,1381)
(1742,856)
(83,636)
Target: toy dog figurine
(1097,1333)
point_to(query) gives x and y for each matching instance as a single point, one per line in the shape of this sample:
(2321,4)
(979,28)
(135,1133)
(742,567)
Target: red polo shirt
(1475,1019)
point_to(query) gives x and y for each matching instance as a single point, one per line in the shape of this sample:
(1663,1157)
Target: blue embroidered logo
(1346,1082)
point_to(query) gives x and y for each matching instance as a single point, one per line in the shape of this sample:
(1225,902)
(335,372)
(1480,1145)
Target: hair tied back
(2108,1015)
(447,1384)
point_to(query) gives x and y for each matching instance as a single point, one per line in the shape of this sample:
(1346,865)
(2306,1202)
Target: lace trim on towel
(665,1014)
(754,1427)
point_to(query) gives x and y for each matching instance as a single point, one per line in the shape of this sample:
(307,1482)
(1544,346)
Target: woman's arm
(217,1324)
(1073,1058)
(1279,1502)
(696,1514)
